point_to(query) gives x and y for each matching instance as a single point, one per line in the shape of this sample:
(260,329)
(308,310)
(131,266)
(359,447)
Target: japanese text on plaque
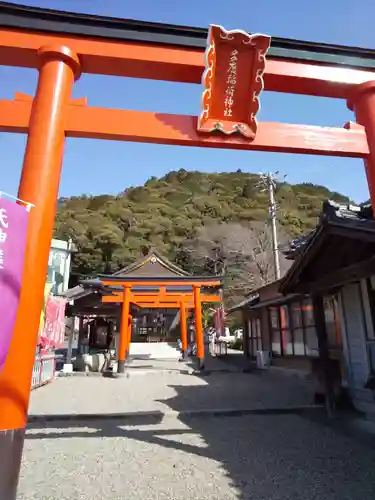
(231,82)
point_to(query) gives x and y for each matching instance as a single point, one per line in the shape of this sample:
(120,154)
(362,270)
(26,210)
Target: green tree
(187,216)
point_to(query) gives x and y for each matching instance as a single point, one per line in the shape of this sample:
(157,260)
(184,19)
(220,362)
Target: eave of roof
(161,279)
(23,17)
(76,293)
(348,218)
(144,259)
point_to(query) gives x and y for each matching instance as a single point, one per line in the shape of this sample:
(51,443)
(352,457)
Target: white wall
(153,350)
(357,327)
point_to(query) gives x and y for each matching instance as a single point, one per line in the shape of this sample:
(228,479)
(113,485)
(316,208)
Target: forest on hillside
(206,223)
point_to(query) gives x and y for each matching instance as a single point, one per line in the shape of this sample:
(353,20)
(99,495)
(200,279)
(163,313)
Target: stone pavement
(184,456)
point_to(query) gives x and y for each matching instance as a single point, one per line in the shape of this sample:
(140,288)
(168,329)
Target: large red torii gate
(61,46)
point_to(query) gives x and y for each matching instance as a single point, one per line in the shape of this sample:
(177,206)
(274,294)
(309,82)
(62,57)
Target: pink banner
(54,326)
(219,318)
(13,230)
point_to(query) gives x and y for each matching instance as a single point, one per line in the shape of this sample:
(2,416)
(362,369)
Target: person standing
(212,341)
(191,340)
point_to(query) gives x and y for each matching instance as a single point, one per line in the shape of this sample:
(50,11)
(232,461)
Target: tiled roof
(332,212)
(76,292)
(145,258)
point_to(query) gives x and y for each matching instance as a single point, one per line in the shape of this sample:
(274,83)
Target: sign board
(233,79)
(13,231)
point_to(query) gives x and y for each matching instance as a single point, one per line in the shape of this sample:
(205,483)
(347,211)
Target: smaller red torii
(161,298)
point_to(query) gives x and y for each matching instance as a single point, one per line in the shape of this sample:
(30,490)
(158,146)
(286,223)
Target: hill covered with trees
(204,222)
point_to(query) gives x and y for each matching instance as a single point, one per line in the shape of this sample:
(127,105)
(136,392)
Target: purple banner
(13,229)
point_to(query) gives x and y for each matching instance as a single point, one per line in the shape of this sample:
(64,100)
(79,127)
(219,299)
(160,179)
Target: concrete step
(149,350)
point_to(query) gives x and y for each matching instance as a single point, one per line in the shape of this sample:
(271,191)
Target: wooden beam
(174,297)
(176,64)
(321,332)
(354,231)
(337,278)
(192,282)
(22,97)
(175,300)
(163,305)
(157,293)
(136,298)
(313,79)
(158,128)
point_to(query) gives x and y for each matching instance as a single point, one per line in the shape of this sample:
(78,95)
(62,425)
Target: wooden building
(320,315)
(282,325)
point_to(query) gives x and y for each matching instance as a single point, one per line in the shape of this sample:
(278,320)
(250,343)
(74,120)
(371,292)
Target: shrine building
(149,301)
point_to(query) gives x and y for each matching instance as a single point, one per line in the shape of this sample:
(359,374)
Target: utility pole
(219,308)
(268,182)
(272,211)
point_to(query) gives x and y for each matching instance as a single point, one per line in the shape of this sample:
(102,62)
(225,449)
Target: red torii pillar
(183,327)
(124,329)
(129,335)
(362,102)
(199,326)
(40,179)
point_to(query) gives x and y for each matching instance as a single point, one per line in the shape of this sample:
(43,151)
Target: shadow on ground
(269,456)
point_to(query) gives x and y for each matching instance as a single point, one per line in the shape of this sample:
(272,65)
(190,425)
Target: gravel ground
(282,457)
(268,457)
(168,391)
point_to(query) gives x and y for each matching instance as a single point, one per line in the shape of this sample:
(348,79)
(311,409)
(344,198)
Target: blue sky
(96,167)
